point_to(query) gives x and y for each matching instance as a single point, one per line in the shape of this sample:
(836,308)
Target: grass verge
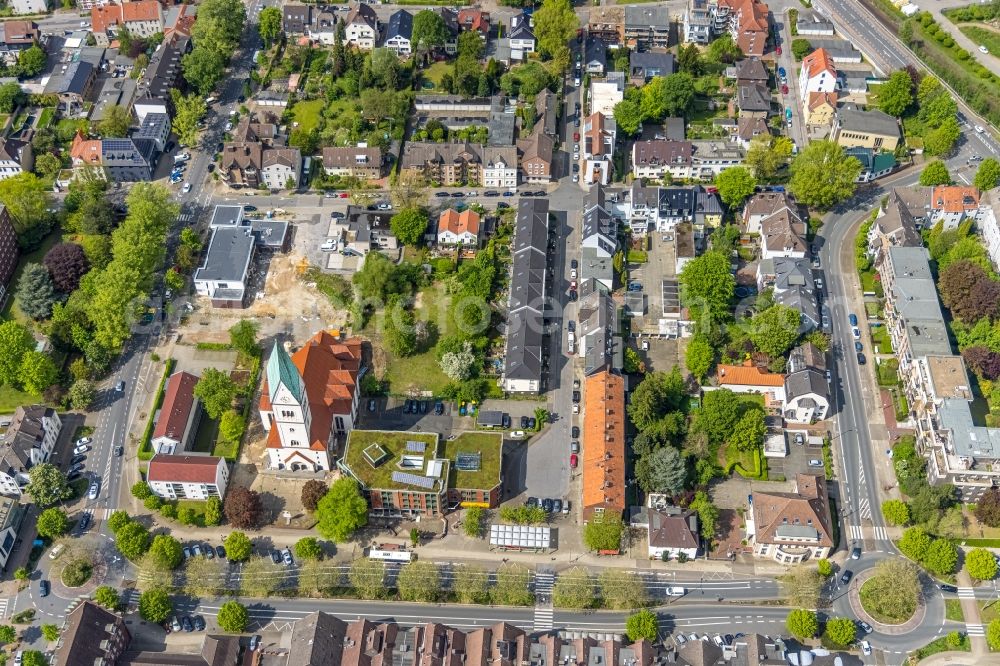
(146,448)
(946,643)
(953,610)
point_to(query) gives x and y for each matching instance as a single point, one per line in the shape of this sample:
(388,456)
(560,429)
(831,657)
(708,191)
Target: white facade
(362,35)
(194,490)
(500,174)
(604,96)
(989,229)
(29,6)
(822,80)
(275,176)
(658,172)
(14,476)
(449,237)
(400,45)
(145,106)
(9,168)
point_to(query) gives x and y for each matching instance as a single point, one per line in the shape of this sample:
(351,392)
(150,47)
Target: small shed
(489,419)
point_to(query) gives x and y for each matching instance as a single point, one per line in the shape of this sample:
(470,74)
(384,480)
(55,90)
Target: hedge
(146,448)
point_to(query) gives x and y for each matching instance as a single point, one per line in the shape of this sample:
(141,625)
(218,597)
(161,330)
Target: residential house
(309,399)
(841,51)
(522,372)
(807,396)
(987,225)
(895,225)
(604,460)
(641,206)
(361,27)
(193,477)
(751,70)
(503,121)
(747,22)
(72,83)
(12,514)
(873,164)
(661,159)
(154,127)
(748,378)
(605,94)
(865,129)
(16,37)
(671,532)
(707,208)
(456,228)
(141,18)
(10,251)
(644,65)
(765,204)
(536,157)
(474,18)
(398,33)
(225,270)
(448,164)
(215,651)
(91,635)
(29,440)
(122,160)
(951,204)
(178,418)
(817,75)
(601,346)
(363,162)
(595,59)
(790,528)
(607,22)
(599,133)
(520,36)
(163,74)
(821,108)
(748,129)
(675,205)
(599,230)
(115,93)
(452,28)
(363,231)
(710,158)
(296,18)
(21,7)
(697,22)
(500,167)
(546,112)
(783,234)
(753,100)
(16,157)
(792,284)
(647,27)
(256,157)
(323,26)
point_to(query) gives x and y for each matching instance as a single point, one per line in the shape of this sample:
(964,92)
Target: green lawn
(941,645)
(880,338)
(307,113)
(435,72)
(46,117)
(32,257)
(421,372)
(983,36)
(489,446)
(11,399)
(953,610)
(197,506)
(989,611)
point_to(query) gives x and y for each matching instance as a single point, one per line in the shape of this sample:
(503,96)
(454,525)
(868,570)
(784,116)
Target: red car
(784,89)
(778,50)
(573,460)
(344,195)
(576,136)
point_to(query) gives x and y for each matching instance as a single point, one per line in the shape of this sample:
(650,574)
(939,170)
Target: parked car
(120,386)
(43,588)
(286,557)
(852,319)
(574,447)
(276,557)
(220,551)
(784,88)
(175,625)
(94,490)
(531,423)
(441,195)
(439,408)
(196,550)
(209,551)
(186,624)
(532,501)
(815,462)
(329,245)
(557,506)
(575,432)
(866,648)
(77,459)
(84,440)
(547,505)
(84,522)
(861,359)
(524,422)
(865,627)
(199,623)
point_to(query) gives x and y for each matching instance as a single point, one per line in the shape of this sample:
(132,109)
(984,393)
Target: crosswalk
(3,608)
(975,630)
(543,620)
(856,533)
(130,598)
(966,593)
(185,217)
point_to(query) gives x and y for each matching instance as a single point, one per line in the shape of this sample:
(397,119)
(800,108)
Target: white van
(57,551)
(675,591)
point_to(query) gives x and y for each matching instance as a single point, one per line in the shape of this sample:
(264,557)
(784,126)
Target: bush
(76,573)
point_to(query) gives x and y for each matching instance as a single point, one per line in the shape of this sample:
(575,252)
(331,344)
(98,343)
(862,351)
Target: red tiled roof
(143,10)
(805,508)
(819,61)
(748,375)
(102,17)
(604,444)
(954,198)
(818,99)
(85,151)
(177,406)
(183,469)
(458,223)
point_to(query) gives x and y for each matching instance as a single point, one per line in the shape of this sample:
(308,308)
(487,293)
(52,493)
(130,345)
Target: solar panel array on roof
(413,479)
(416,447)
(467,462)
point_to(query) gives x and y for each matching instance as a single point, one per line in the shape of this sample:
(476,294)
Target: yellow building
(853,128)
(821,109)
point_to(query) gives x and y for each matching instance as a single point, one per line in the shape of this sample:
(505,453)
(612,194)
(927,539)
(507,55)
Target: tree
(213,511)
(555,25)
(915,543)
(603,533)
(735,184)
(313,491)
(47,485)
(242,506)
(801,586)
(895,588)
(429,31)
(33,658)
(574,588)
(419,581)
(707,284)
(896,512)
(460,365)
(748,433)
(269,24)
(643,625)
(678,91)
(233,616)
(166,551)
(512,586)
(981,564)
(38,372)
(941,140)
(988,508)
(132,540)
(188,112)
(203,69)
(243,336)
(107,597)
(117,520)
(216,391)
(621,590)
(67,263)
(35,293)
(720,411)
(15,342)
(141,490)
(802,623)
(308,548)
(31,61)
(967,290)
(775,330)
(993,634)
(52,523)
(471,584)
(399,333)
(231,426)
(50,632)
(987,175)
(652,99)
(628,117)
(473,521)
(824,568)
(935,173)
(982,361)
(657,394)
(367,577)
(341,511)
(7,634)
(261,577)
(28,200)
(841,630)
(409,225)
(823,175)
(766,155)
(238,547)
(941,557)
(155,605)
(663,471)
(896,94)
(10,96)
(115,123)
(47,166)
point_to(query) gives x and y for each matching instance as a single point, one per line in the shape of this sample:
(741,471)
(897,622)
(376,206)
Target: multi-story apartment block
(446,164)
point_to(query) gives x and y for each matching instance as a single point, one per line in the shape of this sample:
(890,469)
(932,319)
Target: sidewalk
(970,609)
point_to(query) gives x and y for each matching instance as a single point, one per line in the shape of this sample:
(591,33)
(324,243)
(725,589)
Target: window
(287,414)
(294,442)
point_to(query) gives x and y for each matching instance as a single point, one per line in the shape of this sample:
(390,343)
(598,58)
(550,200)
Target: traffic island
(888,621)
